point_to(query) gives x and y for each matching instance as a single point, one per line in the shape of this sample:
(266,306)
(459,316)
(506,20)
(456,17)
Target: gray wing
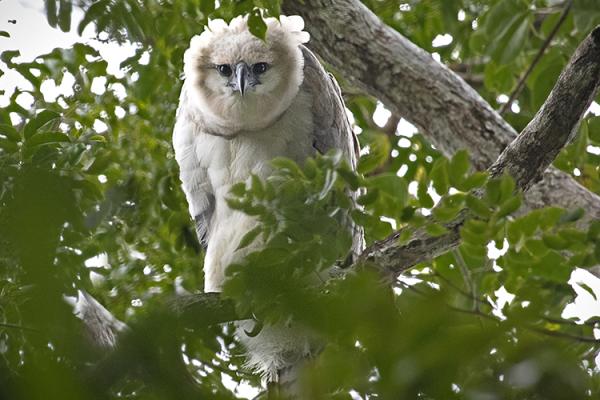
(332,129)
(194,177)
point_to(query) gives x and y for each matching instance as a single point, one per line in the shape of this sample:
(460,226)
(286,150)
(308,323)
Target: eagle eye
(260,68)
(224,69)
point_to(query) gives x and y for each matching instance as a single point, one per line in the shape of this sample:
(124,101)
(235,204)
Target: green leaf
(391,184)
(47,138)
(310,168)
(10,132)
(4,34)
(555,241)
(436,230)
(507,187)
(515,43)
(449,207)
(98,138)
(593,233)
(477,226)
(288,165)
(473,181)
(445,214)
(536,247)
(95,12)
(507,28)
(549,217)
(64,15)
(424,197)
(593,124)
(8,145)
(38,121)
(439,176)
(459,166)
(379,150)
(552,266)
(493,193)
(544,76)
(478,206)
(499,78)
(369,197)
(238,189)
(571,216)
(509,206)
(273,7)
(207,7)
(257,187)
(473,238)
(586,15)
(249,237)
(350,177)
(257,25)
(8,55)
(51,13)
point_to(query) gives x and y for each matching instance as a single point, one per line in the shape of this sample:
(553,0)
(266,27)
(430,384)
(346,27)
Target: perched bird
(244,102)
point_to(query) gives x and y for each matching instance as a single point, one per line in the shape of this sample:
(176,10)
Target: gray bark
(381,62)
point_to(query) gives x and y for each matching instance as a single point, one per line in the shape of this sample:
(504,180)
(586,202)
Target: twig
(466,274)
(470,296)
(16,326)
(546,332)
(536,60)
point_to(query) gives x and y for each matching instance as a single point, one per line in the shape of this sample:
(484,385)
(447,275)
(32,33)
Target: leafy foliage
(90,200)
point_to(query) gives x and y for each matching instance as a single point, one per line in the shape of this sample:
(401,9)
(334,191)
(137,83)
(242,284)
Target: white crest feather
(291,26)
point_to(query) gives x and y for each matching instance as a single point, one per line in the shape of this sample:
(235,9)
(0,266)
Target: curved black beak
(242,78)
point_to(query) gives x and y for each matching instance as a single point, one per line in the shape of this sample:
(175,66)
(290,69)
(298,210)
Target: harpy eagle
(245,101)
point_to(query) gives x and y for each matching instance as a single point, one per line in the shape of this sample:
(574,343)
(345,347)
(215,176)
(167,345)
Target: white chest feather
(229,161)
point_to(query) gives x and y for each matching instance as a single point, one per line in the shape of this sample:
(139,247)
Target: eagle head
(239,82)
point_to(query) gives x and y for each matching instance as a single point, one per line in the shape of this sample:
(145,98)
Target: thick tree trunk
(378,60)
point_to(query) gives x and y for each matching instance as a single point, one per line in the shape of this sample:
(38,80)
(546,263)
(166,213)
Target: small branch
(489,317)
(203,309)
(391,125)
(557,334)
(536,60)
(466,274)
(563,335)
(16,326)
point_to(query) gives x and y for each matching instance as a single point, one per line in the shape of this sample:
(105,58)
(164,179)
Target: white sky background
(32,36)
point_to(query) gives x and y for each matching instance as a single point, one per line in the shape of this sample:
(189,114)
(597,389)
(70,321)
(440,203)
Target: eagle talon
(258,326)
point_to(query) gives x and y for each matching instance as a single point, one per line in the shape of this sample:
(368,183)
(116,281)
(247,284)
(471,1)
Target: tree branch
(378,60)
(525,159)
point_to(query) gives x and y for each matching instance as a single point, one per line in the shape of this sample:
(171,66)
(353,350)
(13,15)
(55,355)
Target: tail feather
(278,353)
